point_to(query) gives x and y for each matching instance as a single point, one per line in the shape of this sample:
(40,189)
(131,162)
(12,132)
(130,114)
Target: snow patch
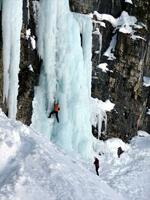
(125,23)
(129,1)
(146,82)
(103,67)
(143,133)
(30,68)
(28,33)
(33,42)
(148,112)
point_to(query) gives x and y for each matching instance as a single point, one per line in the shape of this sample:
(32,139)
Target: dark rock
(29,57)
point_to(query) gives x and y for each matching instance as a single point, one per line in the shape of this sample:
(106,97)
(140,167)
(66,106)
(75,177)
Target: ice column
(65,76)
(47,31)
(11,25)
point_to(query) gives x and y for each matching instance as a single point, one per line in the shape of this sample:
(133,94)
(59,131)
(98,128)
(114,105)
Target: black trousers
(56,114)
(96,169)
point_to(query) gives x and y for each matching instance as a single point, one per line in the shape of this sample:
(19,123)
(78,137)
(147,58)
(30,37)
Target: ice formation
(111,49)
(98,114)
(64,45)
(11,24)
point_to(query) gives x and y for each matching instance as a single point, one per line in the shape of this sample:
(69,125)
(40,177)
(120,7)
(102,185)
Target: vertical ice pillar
(47,44)
(65,76)
(11,25)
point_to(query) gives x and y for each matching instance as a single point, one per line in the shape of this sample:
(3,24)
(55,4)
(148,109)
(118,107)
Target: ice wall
(65,76)
(11,25)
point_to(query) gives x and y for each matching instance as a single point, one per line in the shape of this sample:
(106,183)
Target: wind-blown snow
(65,76)
(32,168)
(11,25)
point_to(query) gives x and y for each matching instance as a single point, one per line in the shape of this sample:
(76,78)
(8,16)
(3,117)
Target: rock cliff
(124,86)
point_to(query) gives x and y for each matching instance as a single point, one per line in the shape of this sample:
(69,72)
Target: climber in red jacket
(55,111)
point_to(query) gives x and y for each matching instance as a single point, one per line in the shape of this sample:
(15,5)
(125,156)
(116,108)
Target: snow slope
(129,174)
(32,168)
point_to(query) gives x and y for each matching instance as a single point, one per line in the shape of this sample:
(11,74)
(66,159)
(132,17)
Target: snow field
(37,169)
(129,174)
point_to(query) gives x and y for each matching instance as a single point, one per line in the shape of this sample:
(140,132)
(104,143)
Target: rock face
(123,86)
(29,65)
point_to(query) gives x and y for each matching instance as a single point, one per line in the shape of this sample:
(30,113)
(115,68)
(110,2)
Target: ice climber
(55,111)
(96,163)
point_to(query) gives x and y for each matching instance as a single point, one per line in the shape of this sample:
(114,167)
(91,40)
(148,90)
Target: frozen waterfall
(11,24)
(64,44)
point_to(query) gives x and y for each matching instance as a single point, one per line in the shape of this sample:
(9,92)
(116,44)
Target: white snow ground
(32,168)
(129,174)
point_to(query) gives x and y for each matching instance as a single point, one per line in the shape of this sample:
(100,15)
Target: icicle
(111,49)
(98,114)
(100,45)
(11,24)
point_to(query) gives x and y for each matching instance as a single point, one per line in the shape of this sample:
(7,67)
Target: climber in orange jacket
(55,111)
